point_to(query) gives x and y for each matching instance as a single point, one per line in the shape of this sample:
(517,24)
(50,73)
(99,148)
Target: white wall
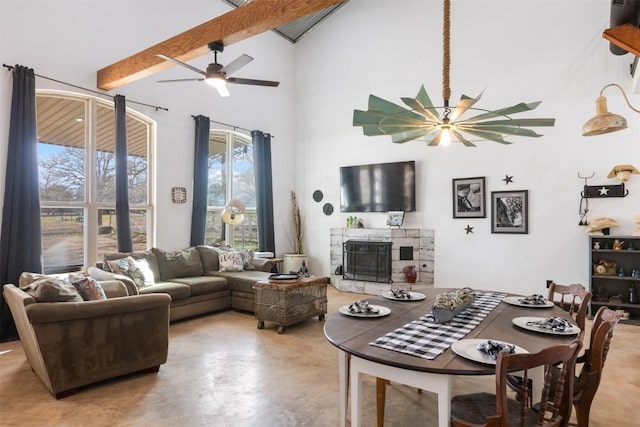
(520,51)
(526,50)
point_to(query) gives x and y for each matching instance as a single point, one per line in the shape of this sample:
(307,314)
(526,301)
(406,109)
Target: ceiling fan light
(604,121)
(219,83)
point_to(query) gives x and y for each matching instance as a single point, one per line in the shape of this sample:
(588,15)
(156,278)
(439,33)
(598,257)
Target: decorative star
(604,191)
(469,229)
(508,179)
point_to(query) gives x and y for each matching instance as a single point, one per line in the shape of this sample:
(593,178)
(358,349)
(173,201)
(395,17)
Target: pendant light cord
(446,58)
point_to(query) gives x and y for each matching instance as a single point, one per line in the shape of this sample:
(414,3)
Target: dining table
(357,355)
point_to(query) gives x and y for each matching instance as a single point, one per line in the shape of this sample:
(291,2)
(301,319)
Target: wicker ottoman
(288,303)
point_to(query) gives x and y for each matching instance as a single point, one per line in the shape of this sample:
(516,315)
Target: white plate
(522,323)
(469,350)
(415,296)
(514,301)
(382,311)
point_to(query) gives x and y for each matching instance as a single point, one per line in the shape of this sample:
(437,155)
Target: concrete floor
(222,371)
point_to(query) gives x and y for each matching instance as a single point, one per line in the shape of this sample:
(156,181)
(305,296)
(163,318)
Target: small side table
(289,303)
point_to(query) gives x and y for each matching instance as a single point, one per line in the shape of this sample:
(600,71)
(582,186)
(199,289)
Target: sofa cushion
(201,285)
(177,291)
(89,288)
(231,261)
(209,258)
(149,256)
(52,289)
(182,263)
(242,281)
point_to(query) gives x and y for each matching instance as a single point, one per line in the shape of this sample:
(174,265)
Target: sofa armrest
(263,264)
(114,288)
(102,275)
(49,312)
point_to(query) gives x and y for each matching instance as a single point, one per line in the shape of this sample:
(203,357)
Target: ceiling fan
(216,74)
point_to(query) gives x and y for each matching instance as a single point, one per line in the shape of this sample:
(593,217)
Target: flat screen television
(380,187)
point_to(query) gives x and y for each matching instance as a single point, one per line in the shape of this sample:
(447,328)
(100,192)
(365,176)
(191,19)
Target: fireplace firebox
(367,260)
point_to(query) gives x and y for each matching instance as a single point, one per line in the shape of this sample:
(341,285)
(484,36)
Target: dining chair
(572,298)
(587,382)
(487,409)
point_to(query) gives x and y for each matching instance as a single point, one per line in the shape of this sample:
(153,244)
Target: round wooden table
(352,335)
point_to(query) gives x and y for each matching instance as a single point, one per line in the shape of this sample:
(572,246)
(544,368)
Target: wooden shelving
(613,284)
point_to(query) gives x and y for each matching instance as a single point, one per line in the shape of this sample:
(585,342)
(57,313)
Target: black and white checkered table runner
(427,339)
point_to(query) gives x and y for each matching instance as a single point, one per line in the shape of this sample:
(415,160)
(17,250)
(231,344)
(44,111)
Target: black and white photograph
(469,198)
(509,212)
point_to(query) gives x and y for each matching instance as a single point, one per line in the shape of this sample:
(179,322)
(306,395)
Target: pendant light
(604,121)
(440,125)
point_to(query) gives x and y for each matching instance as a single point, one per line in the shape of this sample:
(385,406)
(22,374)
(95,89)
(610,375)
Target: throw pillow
(141,272)
(51,289)
(247,259)
(88,287)
(182,263)
(137,270)
(231,261)
(209,257)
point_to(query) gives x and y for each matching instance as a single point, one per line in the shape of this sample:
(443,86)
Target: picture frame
(510,212)
(469,197)
(395,218)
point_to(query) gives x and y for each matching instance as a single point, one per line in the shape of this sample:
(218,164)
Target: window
(76,151)
(231,180)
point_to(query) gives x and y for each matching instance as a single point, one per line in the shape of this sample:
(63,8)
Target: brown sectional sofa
(72,344)
(193,279)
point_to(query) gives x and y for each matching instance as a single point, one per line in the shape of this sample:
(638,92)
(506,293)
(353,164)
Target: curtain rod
(227,124)
(11,67)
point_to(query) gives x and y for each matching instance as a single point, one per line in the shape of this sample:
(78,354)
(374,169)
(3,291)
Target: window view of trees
(231,180)
(76,152)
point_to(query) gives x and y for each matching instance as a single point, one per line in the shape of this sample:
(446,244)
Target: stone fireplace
(369,260)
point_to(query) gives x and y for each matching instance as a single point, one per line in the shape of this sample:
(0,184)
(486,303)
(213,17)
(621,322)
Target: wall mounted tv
(380,187)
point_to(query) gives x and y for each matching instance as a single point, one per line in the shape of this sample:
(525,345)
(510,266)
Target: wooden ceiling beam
(241,23)
(625,36)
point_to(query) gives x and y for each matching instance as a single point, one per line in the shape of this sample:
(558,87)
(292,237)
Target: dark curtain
(123,225)
(200,181)
(264,190)
(21,240)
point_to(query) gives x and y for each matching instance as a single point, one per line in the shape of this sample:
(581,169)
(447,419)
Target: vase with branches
(297,260)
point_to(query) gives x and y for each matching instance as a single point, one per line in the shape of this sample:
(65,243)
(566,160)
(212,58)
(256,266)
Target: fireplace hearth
(367,260)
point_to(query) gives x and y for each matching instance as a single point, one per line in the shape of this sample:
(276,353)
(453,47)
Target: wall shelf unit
(619,284)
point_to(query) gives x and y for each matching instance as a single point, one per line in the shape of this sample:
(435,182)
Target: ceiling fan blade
(254,82)
(184,64)
(179,80)
(236,64)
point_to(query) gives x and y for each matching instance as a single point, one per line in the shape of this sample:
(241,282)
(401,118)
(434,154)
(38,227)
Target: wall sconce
(604,121)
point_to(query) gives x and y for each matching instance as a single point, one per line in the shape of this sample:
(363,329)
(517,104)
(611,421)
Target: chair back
(556,402)
(573,298)
(588,381)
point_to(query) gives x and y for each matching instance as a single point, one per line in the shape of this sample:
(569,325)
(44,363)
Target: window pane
(214,233)
(61,142)
(62,238)
(217,192)
(107,231)
(137,151)
(244,186)
(245,235)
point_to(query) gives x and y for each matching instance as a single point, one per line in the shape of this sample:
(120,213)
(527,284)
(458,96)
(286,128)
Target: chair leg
(381,393)
(582,413)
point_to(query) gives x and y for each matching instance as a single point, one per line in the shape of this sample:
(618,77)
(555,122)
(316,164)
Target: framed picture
(395,218)
(510,212)
(469,198)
